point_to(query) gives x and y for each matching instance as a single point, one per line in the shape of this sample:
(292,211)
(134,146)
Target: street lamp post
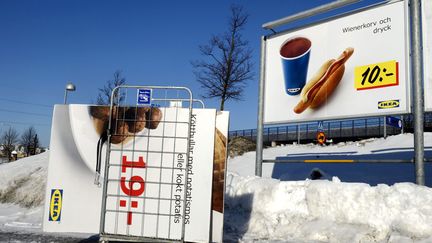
(69,87)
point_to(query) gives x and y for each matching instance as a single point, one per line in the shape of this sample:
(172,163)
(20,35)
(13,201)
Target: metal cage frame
(110,132)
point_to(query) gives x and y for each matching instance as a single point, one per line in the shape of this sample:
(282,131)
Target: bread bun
(323,83)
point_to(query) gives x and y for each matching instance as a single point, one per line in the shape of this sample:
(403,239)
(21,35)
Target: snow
(327,211)
(265,209)
(14,217)
(262,209)
(23,182)
(22,189)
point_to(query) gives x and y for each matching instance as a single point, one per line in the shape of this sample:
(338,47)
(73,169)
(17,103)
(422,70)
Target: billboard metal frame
(415,70)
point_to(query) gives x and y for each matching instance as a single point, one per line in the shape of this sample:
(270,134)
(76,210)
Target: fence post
(298,134)
(268,134)
(385,126)
(277,133)
(379,127)
(366,133)
(402,121)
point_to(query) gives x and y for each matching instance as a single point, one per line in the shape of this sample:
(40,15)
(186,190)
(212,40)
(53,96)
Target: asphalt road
(11,236)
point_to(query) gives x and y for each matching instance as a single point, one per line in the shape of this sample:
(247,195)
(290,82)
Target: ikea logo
(55,204)
(387,104)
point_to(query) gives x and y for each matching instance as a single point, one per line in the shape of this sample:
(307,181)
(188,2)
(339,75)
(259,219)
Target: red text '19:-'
(133,186)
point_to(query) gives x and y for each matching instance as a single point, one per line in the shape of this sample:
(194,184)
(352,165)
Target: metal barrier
(341,129)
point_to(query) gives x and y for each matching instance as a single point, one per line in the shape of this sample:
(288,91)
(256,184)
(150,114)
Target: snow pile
(23,182)
(326,211)
(265,209)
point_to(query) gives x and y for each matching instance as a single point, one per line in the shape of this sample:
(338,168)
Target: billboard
(427,52)
(352,66)
(151,183)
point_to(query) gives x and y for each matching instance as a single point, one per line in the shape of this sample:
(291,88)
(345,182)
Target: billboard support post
(418,99)
(260,125)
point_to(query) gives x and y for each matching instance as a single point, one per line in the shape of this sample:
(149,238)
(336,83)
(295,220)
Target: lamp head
(70,87)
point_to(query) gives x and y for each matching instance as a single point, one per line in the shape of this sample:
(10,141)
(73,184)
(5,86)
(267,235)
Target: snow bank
(23,181)
(326,211)
(404,207)
(265,209)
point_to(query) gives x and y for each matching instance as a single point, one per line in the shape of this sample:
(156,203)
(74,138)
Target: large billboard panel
(352,66)
(427,52)
(153,187)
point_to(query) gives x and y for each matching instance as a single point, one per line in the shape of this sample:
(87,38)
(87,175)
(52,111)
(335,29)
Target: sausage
(323,83)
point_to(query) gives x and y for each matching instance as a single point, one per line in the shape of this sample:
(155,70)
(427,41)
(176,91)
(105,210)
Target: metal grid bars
(145,179)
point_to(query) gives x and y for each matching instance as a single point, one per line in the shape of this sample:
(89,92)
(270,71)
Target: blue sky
(46,43)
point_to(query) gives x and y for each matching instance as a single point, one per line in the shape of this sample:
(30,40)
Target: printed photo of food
(220,155)
(321,86)
(125,121)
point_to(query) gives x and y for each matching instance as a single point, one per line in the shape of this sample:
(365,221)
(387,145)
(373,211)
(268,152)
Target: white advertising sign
(148,200)
(77,208)
(151,185)
(353,66)
(427,52)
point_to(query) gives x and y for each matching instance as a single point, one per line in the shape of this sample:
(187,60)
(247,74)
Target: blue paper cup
(295,54)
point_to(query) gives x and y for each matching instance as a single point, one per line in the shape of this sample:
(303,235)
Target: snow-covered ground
(22,186)
(270,210)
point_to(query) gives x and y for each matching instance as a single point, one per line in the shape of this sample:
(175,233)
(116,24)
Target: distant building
(14,155)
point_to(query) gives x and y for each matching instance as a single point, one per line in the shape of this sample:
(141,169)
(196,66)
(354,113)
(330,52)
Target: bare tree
(35,143)
(104,96)
(227,63)
(8,139)
(27,140)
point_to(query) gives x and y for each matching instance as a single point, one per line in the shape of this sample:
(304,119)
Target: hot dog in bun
(321,86)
